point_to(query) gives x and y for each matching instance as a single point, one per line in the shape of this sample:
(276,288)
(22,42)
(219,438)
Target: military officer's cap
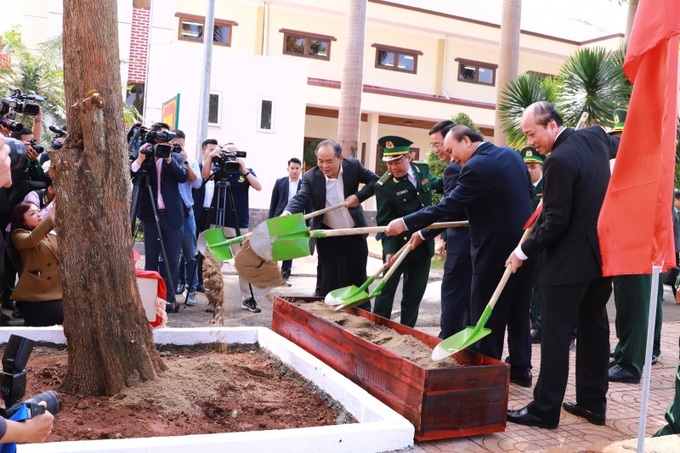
(531,156)
(619,119)
(394,147)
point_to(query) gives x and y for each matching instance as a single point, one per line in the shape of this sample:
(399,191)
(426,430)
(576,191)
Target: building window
(307,45)
(191,29)
(265,121)
(476,72)
(396,59)
(215,109)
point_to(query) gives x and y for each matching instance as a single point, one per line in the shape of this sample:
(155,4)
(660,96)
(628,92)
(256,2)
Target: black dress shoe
(200,288)
(523,417)
(617,373)
(592,417)
(521,378)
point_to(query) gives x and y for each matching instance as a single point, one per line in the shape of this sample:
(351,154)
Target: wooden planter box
(441,403)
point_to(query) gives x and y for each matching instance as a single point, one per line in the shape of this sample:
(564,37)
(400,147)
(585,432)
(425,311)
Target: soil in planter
(202,392)
(402,345)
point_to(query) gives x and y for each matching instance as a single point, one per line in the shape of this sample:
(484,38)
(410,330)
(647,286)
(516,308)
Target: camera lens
(17,153)
(51,398)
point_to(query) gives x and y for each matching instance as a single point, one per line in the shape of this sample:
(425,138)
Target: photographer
(240,180)
(38,292)
(165,174)
(188,270)
(33,430)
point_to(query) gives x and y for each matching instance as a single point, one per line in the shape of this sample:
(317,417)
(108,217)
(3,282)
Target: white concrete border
(379,428)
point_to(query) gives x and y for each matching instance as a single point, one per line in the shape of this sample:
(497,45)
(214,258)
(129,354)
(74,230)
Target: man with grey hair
(573,290)
(336,179)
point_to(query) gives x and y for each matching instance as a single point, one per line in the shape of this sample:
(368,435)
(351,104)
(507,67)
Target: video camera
(226,161)
(16,102)
(59,133)
(138,135)
(13,382)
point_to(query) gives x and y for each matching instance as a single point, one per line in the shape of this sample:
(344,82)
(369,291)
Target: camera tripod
(139,182)
(223,197)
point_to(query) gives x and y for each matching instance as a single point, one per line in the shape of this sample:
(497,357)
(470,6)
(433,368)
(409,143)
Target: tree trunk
(349,117)
(509,57)
(109,339)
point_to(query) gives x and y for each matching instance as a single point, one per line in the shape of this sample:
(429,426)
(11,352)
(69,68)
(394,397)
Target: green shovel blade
(281,238)
(458,342)
(217,243)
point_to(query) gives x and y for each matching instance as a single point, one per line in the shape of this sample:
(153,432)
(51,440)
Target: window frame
(477,64)
(396,51)
(184,17)
(307,36)
(259,127)
(219,108)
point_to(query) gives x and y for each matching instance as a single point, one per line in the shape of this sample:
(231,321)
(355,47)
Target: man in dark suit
(495,190)
(573,290)
(336,179)
(455,290)
(284,190)
(171,171)
(405,187)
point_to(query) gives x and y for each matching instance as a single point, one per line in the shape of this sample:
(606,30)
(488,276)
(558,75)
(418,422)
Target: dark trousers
(352,251)
(172,240)
(286,266)
(42,314)
(510,312)
(455,294)
(562,306)
(631,296)
(415,269)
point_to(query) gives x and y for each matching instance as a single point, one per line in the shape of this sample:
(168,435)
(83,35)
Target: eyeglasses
(435,146)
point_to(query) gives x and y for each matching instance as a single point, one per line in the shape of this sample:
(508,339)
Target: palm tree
(40,73)
(592,81)
(517,95)
(351,86)
(509,55)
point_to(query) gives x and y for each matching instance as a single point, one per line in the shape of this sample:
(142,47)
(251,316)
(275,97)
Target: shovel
(472,334)
(291,244)
(347,293)
(363,297)
(220,246)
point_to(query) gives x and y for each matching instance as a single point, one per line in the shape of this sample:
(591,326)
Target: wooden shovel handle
(376,229)
(508,270)
(325,210)
(403,252)
(386,266)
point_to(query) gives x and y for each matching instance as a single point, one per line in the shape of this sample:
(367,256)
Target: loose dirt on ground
(202,392)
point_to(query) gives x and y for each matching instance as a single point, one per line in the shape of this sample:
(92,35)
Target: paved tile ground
(573,435)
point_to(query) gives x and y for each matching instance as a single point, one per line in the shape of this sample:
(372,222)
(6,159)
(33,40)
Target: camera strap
(20,415)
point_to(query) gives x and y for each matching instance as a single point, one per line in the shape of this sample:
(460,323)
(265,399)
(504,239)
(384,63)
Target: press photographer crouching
(28,421)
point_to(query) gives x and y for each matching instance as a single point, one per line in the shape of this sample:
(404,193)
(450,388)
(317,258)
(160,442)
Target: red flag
(635,225)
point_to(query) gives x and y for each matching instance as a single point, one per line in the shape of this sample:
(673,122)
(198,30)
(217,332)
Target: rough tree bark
(109,339)
(351,86)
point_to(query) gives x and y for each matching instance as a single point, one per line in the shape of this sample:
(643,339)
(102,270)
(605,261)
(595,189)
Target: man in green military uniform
(406,187)
(534,163)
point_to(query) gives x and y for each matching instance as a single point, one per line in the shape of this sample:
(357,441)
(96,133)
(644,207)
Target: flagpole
(647,369)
